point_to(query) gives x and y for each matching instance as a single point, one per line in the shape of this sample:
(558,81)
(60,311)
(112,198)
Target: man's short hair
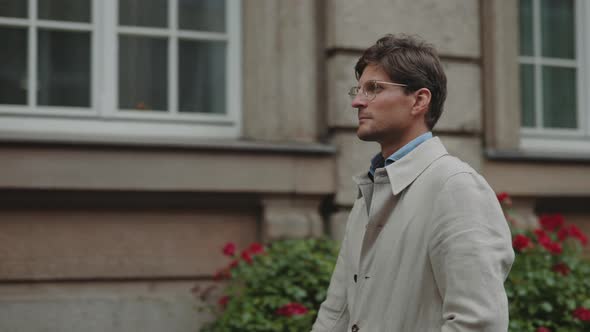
(409,60)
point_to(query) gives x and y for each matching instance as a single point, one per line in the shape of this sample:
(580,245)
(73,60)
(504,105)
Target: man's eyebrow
(371,80)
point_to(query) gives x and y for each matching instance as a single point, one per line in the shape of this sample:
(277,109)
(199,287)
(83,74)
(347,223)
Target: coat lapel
(365,189)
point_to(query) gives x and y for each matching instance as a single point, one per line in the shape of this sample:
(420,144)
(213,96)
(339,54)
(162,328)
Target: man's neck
(387,149)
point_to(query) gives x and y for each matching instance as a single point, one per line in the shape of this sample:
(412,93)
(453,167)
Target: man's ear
(422,101)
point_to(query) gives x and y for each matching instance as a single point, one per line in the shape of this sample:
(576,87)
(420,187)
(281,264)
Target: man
(426,247)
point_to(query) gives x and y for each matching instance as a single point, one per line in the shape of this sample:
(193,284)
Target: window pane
(64,68)
(150,13)
(559,97)
(557,29)
(201,79)
(65,10)
(143,78)
(526,27)
(13,66)
(206,15)
(13,8)
(527,95)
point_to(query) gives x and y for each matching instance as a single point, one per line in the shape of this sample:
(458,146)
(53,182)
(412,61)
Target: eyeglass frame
(355,90)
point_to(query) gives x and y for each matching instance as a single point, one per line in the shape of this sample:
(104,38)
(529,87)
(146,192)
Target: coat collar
(404,171)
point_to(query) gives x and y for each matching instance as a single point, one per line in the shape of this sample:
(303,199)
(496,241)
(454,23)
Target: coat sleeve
(471,254)
(333,314)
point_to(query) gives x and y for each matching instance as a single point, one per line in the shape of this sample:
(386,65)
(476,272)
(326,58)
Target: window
(554,75)
(88,69)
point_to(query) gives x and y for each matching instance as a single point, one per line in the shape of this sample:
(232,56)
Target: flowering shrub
(278,288)
(548,287)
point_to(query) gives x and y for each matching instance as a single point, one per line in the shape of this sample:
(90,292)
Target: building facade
(139,137)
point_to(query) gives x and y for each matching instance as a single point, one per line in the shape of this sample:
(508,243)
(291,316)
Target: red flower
(542,237)
(546,242)
(582,314)
(553,247)
(223,301)
(563,234)
(561,268)
(504,198)
(543,329)
(551,222)
(521,242)
(256,248)
(292,309)
(247,257)
(574,231)
(229,249)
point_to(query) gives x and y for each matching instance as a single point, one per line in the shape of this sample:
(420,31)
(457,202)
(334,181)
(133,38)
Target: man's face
(386,118)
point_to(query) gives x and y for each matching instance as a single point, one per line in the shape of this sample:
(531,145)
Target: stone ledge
(214,170)
(538,179)
(150,143)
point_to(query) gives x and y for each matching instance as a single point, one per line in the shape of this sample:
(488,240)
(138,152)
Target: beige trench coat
(426,248)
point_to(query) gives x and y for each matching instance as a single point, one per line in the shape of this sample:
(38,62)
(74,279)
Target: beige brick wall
(354,157)
(463,107)
(101,306)
(452,25)
(465,148)
(118,244)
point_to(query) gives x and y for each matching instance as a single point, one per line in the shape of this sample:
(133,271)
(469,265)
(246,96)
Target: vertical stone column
(282,70)
(291,217)
(500,68)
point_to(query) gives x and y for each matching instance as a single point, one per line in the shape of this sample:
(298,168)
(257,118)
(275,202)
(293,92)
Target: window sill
(142,165)
(153,142)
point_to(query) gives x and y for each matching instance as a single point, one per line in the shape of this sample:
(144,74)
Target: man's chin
(365,136)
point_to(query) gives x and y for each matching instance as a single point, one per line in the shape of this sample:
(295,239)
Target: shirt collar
(403,172)
(378,161)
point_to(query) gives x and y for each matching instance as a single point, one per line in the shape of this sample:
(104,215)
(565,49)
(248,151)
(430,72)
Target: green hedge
(278,288)
(548,287)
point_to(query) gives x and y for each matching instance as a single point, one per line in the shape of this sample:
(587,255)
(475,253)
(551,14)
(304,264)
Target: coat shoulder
(445,168)
(448,165)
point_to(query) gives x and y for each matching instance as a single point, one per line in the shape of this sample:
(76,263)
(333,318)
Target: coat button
(355,328)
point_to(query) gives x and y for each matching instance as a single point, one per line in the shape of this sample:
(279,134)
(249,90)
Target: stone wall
(118,268)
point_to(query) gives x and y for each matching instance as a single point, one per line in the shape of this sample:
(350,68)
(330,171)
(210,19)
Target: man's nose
(359,101)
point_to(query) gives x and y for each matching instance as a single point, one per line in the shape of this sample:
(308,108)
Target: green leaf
(570,304)
(547,306)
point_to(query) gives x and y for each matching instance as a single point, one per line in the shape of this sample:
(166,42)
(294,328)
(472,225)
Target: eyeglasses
(370,89)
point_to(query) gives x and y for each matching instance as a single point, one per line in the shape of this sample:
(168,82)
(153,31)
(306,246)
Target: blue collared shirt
(378,161)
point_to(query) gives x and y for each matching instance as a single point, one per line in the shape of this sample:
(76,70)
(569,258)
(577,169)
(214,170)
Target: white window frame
(104,121)
(551,140)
